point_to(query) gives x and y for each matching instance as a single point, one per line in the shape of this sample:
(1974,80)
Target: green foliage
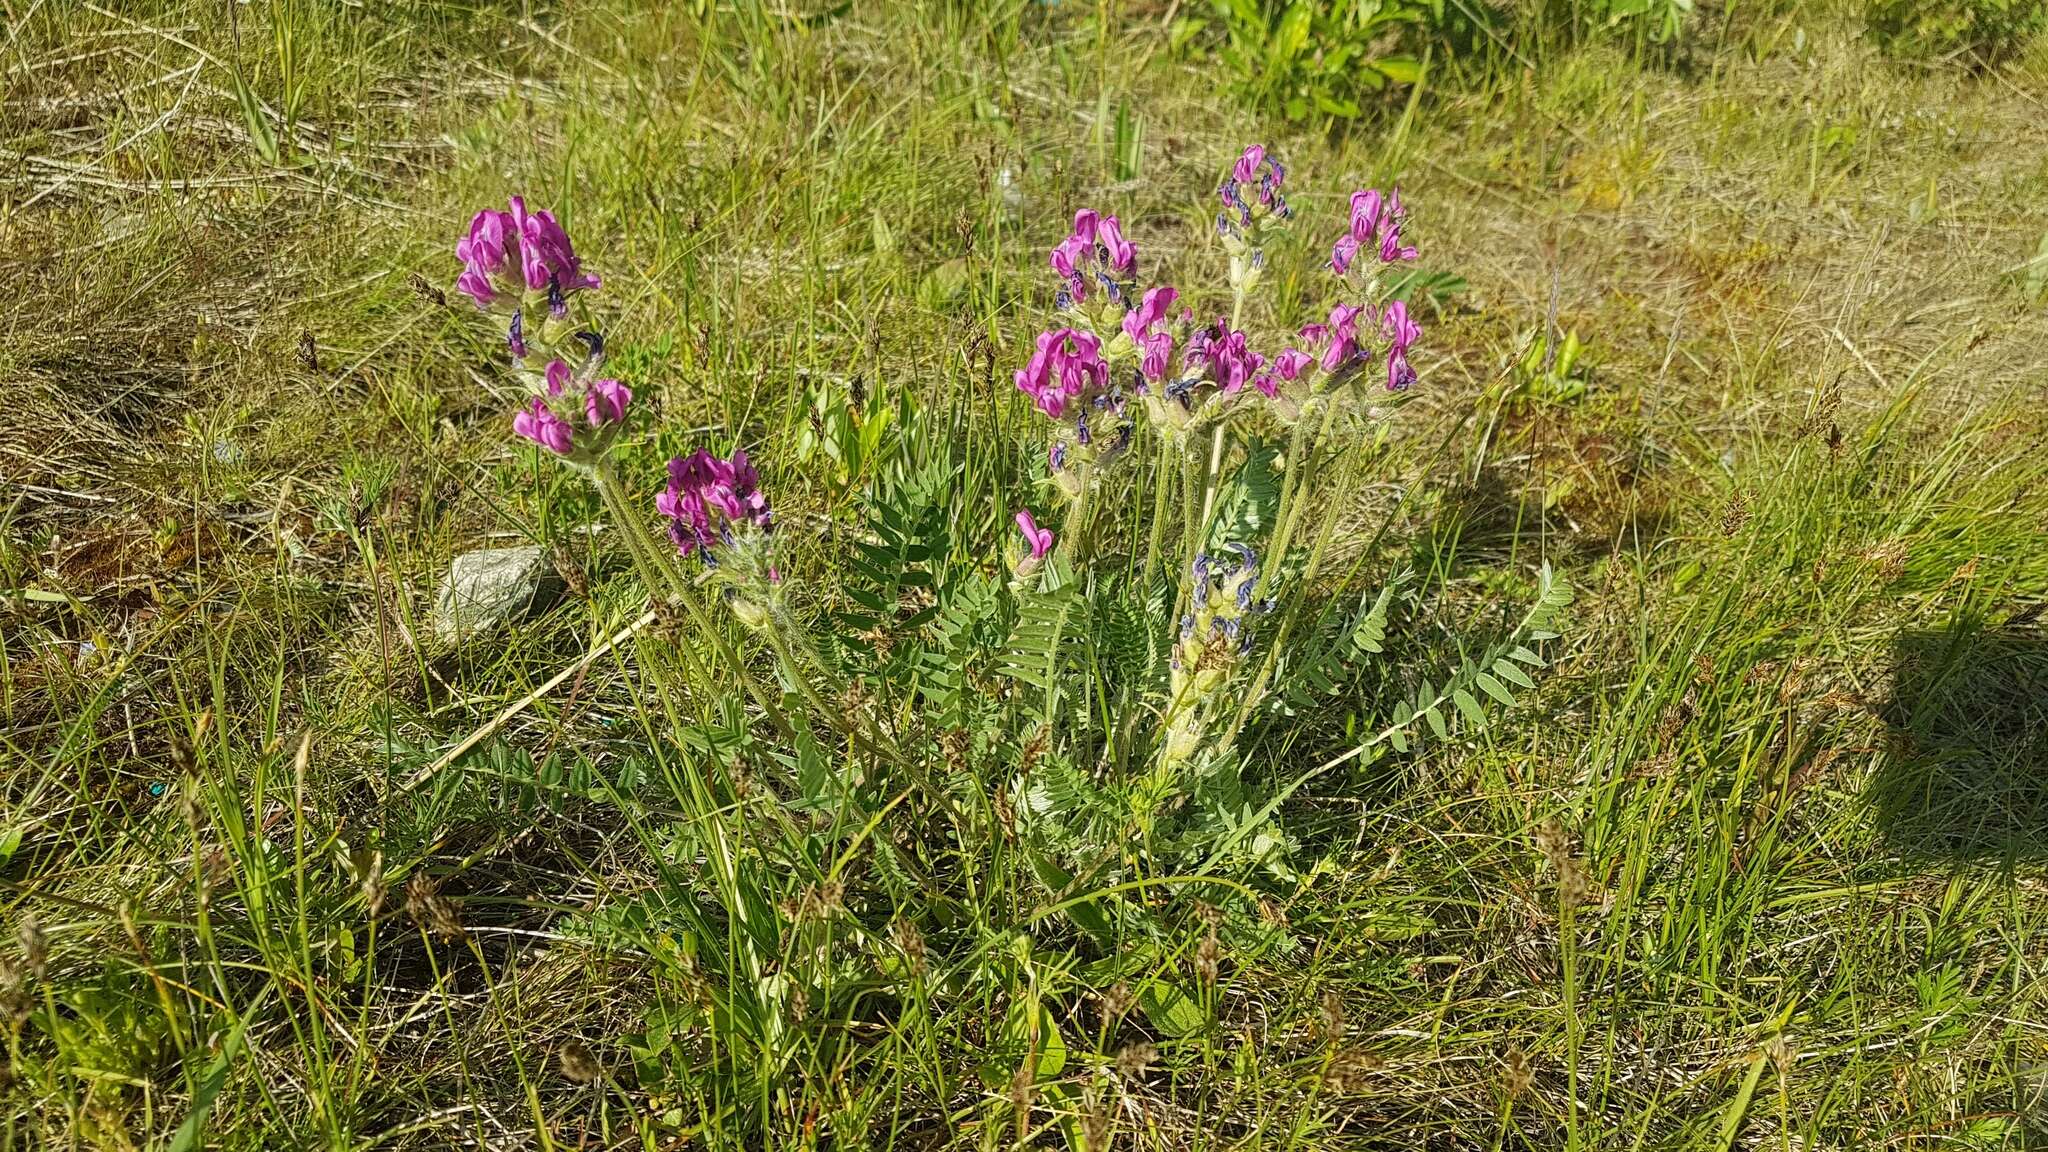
(1660,21)
(1312,58)
(1549,372)
(1985,31)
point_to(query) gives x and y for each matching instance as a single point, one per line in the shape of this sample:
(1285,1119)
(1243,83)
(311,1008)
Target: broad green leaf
(1399,69)
(1469,708)
(1494,688)
(1513,674)
(1171,1010)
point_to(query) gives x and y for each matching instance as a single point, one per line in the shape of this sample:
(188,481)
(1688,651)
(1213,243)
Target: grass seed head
(1095,1126)
(1208,957)
(425,290)
(433,912)
(910,942)
(1133,1059)
(1517,1074)
(1116,1001)
(35,947)
(15,1001)
(1552,842)
(576,1062)
(1331,1017)
(1734,514)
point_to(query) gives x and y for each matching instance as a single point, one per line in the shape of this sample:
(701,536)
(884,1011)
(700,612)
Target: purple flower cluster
(1375,223)
(509,254)
(1343,343)
(1223,357)
(1251,191)
(1146,326)
(1095,250)
(1066,370)
(707,495)
(604,406)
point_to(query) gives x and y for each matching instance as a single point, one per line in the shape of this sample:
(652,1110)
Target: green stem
(1074,530)
(1301,454)
(652,574)
(1191,504)
(1335,507)
(1162,483)
(1568,941)
(655,572)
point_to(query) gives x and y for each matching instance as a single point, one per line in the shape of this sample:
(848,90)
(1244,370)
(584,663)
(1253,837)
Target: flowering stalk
(1192,381)
(718,514)
(1215,635)
(520,265)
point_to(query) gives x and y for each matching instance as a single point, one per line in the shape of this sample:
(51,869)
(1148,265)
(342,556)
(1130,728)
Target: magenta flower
(1365,213)
(1402,332)
(707,495)
(489,255)
(1290,364)
(1066,367)
(1150,311)
(1375,223)
(1343,253)
(1229,359)
(1391,248)
(539,424)
(604,402)
(559,376)
(1039,539)
(1095,251)
(547,258)
(1144,325)
(1115,251)
(1247,167)
(1343,334)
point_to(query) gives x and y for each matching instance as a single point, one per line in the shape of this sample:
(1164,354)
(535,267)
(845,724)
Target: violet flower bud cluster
(1215,636)
(1253,208)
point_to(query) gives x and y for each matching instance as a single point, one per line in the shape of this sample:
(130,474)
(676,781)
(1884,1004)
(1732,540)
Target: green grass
(1790,752)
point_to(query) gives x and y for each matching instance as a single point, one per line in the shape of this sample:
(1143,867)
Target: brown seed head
(35,947)
(1133,1059)
(910,942)
(1517,1073)
(425,290)
(576,1062)
(15,1002)
(1734,514)
(433,912)
(1331,1017)
(1116,1001)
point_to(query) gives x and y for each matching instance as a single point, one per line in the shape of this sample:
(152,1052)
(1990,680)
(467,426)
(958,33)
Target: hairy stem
(656,573)
(1162,483)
